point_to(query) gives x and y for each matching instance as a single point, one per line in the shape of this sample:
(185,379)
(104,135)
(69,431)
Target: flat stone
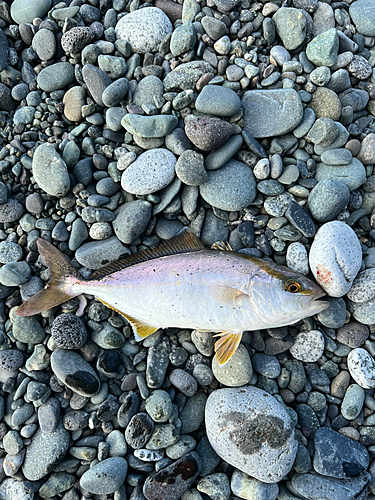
(50,171)
(144,29)
(271,113)
(44,44)
(186,75)
(73,101)
(56,77)
(52,446)
(335,258)
(353,175)
(149,126)
(234,432)
(218,101)
(106,477)
(329,488)
(353,401)
(25,11)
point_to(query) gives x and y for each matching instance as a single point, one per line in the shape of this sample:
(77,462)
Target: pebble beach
(250,122)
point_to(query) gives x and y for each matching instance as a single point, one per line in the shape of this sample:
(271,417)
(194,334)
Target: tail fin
(56,291)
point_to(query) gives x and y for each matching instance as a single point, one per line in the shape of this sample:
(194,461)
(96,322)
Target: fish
(182,284)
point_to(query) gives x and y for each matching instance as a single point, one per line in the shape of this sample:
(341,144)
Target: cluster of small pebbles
(250,122)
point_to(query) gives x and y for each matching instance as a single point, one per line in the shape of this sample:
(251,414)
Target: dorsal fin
(184,241)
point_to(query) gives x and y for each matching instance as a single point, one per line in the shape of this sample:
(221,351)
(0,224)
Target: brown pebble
(203,81)
(353,334)
(172,9)
(325,103)
(287,395)
(354,146)
(340,384)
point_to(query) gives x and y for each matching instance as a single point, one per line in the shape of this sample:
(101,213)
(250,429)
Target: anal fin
(141,330)
(226,346)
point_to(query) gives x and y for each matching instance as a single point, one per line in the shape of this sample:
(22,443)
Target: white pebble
(335,257)
(361,367)
(308,346)
(297,258)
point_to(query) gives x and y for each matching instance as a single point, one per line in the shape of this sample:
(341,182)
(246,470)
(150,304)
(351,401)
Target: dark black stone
(83,171)
(262,244)
(139,430)
(307,418)
(300,220)
(84,381)
(3,50)
(128,409)
(254,145)
(109,361)
(246,233)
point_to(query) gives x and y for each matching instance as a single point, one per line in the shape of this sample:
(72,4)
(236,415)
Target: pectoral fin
(226,346)
(141,330)
(226,295)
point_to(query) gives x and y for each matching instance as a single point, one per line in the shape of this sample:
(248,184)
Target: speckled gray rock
(27,329)
(260,443)
(308,346)
(144,29)
(10,211)
(68,331)
(297,258)
(329,488)
(50,171)
(146,89)
(367,152)
(335,258)
(75,372)
(231,187)
(186,75)
(183,39)
(237,371)
(152,171)
(132,219)
(270,113)
(52,446)
(106,477)
(97,254)
(159,406)
(24,11)
(217,101)
(361,367)
(363,288)
(56,77)
(149,126)
(139,430)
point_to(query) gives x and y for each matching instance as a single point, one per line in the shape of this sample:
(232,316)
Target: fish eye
(292,286)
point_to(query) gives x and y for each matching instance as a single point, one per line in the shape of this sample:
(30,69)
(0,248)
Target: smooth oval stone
(50,171)
(259,442)
(361,367)
(352,175)
(56,77)
(25,11)
(353,402)
(237,371)
(106,477)
(250,488)
(75,372)
(363,14)
(308,346)
(217,101)
(45,451)
(335,258)
(327,199)
(149,126)
(271,113)
(231,187)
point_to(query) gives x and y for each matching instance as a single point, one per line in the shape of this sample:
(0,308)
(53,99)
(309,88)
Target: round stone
(353,402)
(150,172)
(292,26)
(353,334)
(144,29)
(73,101)
(360,68)
(259,442)
(363,15)
(367,152)
(231,187)
(308,346)
(28,330)
(50,171)
(115,92)
(361,367)
(325,103)
(10,211)
(159,406)
(68,331)
(139,430)
(44,44)
(249,488)
(190,168)
(335,257)
(132,219)
(106,477)
(25,11)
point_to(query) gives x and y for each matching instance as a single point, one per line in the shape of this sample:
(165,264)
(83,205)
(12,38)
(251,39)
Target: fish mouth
(318,305)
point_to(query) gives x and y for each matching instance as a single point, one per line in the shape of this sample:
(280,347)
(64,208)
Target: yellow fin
(227,295)
(223,246)
(140,330)
(184,241)
(226,346)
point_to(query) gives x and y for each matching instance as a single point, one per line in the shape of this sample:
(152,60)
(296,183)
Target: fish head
(283,296)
